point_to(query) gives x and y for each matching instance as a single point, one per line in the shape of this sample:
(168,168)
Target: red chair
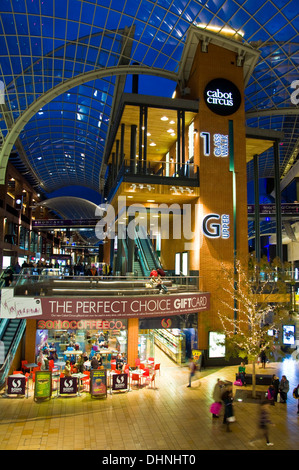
(151,359)
(145,374)
(113,367)
(127,369)
(52,366)
(23,366)
(136,378)
(151,380)
(157,367)
(141,366)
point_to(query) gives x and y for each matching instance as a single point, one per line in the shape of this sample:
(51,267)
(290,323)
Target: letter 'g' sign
(216,226)
(222,97)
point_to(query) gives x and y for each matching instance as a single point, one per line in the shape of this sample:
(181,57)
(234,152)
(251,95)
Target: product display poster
(98,383)
(43,384)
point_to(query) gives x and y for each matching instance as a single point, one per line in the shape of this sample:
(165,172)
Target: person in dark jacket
(227,398)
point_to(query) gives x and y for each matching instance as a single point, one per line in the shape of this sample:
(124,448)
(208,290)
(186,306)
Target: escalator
(146,251)
(145,259)
(11,333)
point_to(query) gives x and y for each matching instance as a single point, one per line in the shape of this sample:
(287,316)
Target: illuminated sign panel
(216,226)
(222,97)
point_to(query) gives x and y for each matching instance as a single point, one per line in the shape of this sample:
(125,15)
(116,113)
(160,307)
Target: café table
(60,364)
(79,376)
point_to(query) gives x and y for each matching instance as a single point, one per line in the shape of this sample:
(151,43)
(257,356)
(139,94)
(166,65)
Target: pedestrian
(217,392)
(275,383)
(284,387)
(192,369)
(263,423)
(271,394)
(227,398)
(242,373)
(296,396)
(263,357)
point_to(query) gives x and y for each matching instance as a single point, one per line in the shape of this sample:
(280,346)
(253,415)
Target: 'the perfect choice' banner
(101,307)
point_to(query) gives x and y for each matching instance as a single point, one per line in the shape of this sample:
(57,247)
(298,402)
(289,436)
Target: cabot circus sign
(222,97)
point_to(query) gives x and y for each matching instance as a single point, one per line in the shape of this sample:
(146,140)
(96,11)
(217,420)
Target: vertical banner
(16,385)
(98,383)
(43,384)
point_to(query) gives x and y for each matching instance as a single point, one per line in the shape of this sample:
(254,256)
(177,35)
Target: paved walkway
(170,417)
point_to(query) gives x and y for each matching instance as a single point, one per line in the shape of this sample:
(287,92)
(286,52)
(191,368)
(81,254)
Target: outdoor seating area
(140,375)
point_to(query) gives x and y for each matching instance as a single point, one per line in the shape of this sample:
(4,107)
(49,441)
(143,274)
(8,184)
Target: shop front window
(58,340)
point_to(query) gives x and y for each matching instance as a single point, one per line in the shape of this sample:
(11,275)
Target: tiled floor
(170,417)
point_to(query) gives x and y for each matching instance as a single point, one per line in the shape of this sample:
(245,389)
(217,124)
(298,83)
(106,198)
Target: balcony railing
(152,172)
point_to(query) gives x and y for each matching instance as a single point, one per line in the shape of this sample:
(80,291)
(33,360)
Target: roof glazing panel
(44,45)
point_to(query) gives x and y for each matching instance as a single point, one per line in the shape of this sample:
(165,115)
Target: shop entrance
(176,336)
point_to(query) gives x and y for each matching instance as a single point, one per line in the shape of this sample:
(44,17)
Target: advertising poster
(119,382)
(68,385)
(98,383)
(43,384)
(16,385)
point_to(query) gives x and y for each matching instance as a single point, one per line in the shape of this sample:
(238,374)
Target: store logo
(216,226)
(295,94)
(166,323)
(222,97)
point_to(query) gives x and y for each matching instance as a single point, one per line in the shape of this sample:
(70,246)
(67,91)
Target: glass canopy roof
(62,63)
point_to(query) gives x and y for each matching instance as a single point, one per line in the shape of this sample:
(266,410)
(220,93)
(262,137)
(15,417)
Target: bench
(260,379)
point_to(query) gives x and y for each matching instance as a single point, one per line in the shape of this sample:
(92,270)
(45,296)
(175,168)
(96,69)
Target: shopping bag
(231,419)
(215,408)
(238,382)
(278,397)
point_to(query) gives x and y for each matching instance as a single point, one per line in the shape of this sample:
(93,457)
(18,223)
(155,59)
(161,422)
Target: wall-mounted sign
(216,226)
(220,141)
(222,96)
(117,308)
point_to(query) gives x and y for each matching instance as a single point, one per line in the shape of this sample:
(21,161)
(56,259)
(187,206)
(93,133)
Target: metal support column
(279,252)
(257,208)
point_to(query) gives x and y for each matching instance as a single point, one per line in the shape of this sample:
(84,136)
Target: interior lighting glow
(219,29)
(164,118)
